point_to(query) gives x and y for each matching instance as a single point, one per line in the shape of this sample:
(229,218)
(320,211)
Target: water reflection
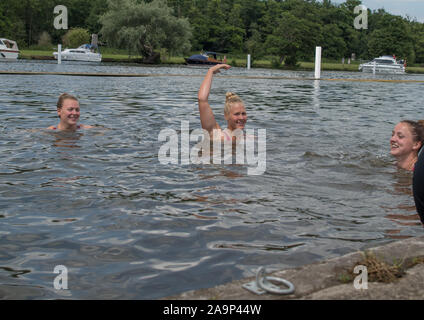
(67,139)
(15,273)
(403,214)
(220,172)
(315,96)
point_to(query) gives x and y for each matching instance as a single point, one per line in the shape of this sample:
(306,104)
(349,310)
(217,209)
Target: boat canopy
(213,54)
(9,43)
(199,57)
(384,61)
(89,47)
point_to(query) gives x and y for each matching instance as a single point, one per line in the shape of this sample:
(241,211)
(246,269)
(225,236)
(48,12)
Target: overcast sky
(413,8)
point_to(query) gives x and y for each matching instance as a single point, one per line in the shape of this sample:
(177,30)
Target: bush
(291,61)
(76,37)
(275,62)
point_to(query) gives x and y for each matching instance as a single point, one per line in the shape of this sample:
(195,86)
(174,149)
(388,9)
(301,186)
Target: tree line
(287,29)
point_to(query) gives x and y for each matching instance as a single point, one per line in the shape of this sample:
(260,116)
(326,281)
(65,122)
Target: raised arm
(207,119)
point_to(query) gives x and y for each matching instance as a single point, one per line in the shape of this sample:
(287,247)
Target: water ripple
(127,226)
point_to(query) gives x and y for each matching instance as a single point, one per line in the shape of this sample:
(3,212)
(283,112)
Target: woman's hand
(215,69)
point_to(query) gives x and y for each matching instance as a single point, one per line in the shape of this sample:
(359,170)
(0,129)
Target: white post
(318,51)
(59,54)
(373,68)
(248,62)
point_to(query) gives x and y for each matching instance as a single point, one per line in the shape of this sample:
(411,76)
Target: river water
(127,226)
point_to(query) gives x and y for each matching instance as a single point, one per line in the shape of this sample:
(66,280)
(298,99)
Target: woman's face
(402,141)
(70,112)
(237,117)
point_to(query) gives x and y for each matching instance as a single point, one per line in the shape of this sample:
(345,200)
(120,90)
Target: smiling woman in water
(68,110)
(234,110)
(405,143)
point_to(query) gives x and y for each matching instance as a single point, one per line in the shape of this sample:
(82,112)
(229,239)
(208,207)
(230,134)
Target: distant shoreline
(265,64)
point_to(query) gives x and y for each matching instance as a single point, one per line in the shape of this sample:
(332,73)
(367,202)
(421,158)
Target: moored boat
(8,49)
(384,64)
(206,58)
(84,52)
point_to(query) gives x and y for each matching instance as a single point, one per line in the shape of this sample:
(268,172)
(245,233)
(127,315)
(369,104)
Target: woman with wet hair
(234,110)
(68,110)
(406,142)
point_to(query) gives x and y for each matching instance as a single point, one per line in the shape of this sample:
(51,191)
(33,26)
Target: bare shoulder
(86,126)
(51,128)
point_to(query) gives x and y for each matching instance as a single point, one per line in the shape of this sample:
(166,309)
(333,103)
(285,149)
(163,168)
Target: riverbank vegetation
(275,32)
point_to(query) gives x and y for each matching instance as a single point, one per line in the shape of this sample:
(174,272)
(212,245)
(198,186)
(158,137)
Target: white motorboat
(84,52)
(8,49)
(383,64)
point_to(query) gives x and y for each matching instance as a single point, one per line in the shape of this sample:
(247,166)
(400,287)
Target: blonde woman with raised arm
(234,110)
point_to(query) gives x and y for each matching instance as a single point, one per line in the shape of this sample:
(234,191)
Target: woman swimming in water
(406,142)
(68,110)
(234,110)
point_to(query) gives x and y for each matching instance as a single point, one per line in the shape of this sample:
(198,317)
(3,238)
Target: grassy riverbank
(112,55)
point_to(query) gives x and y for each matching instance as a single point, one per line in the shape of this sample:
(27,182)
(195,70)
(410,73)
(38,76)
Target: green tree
(251,14)
(5,23)
(181,7)
(350,5)
(145,28)
(333,43)
(254,45)
(418,40)
(272,14)
(13,24)
(234,33)
(98,8)
(293,38)
(216,21)
(391,35)
(200,28)
(285,41)
(26,19)
(339,37)
(78,11)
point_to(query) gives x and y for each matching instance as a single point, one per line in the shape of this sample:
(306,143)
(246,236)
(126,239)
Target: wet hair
(417,130)
(63,97)
(230,99)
